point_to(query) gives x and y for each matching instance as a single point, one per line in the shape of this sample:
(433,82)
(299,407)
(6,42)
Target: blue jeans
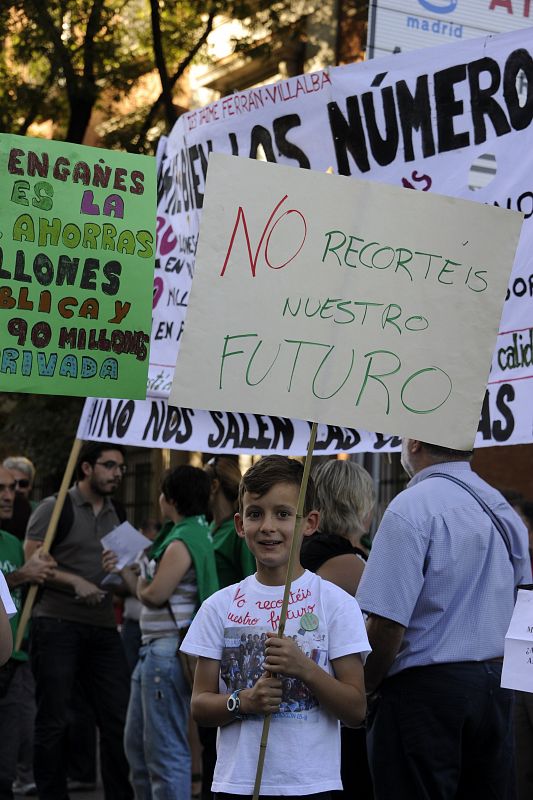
(156,737)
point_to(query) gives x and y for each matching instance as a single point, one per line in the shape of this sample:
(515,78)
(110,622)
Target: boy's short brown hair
(269,471)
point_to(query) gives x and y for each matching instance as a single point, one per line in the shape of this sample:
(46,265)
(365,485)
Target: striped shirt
(158,622)
(439,567)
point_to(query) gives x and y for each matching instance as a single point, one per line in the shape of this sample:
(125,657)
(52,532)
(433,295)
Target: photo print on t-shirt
(242,660)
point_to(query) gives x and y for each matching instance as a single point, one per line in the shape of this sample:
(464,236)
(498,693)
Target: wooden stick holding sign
(294,554)
(49,536)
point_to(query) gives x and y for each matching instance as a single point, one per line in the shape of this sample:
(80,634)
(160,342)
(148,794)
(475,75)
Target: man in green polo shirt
(13,695)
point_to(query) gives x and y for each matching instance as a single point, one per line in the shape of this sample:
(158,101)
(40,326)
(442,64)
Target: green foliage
(41,427)
(63,55)
(121,132)
(27,70)
(61,59)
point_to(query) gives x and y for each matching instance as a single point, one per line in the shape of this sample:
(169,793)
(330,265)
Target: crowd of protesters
(437,590)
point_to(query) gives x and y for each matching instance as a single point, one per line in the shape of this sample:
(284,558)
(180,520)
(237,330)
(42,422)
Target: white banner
(153,423)
(456,120)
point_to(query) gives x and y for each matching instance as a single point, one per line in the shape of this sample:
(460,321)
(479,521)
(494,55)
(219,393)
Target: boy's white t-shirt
(303,752)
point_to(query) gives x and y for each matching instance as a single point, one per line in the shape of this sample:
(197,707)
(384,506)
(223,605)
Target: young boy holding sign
(308,680)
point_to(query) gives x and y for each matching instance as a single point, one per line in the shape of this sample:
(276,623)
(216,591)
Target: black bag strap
(171,612)
(180,631)
(65,521)
(66,518)
(120,510)
(495,521)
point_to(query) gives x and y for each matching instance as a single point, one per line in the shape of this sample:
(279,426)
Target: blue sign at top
(444,7)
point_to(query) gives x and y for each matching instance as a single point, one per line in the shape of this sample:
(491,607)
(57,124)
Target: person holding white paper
(179,573)
(130,630)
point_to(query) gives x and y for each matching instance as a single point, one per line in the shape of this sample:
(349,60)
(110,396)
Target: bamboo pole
(49,536)
(294,554)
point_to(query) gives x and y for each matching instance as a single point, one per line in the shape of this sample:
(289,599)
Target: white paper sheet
(517,672)
(126,542)
(5,596)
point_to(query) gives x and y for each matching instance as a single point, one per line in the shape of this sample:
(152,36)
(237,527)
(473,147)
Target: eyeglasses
(112,465)
(21,483)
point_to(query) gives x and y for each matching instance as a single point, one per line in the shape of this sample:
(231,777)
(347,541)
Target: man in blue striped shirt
(439,588)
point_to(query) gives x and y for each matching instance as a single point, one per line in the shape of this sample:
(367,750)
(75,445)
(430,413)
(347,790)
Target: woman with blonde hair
(346,499)
(178,574)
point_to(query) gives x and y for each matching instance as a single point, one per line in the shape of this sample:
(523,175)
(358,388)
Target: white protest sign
(517,672)
(343,302)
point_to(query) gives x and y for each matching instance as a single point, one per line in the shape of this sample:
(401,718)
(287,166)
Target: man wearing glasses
(74,638)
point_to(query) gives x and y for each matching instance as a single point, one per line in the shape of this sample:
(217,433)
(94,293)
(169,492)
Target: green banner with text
(77,243)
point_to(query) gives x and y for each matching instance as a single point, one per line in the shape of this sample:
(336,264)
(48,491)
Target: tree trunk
(80,106)
(166,88)
(150,117)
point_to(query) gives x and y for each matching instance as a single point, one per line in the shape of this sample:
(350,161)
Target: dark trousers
(523,721)
(12,713)
(81,738)
(443,732)
(208,739)
(26,723)
(355,773)
(62,653)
